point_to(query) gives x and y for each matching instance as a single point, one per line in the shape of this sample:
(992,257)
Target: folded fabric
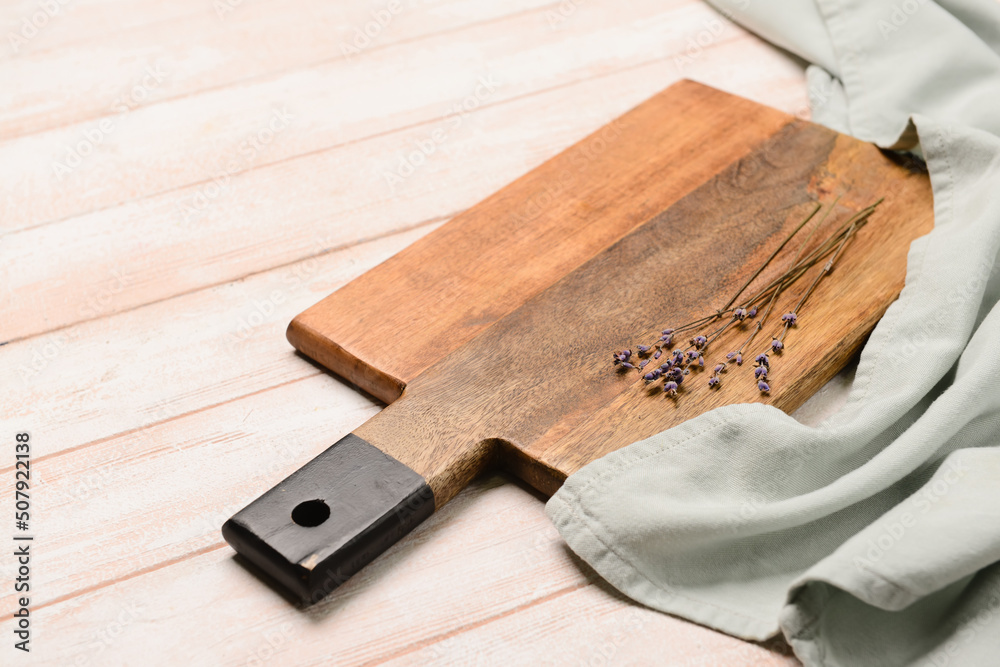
(873,539)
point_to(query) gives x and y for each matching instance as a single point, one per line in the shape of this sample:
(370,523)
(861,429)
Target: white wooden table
(179,180)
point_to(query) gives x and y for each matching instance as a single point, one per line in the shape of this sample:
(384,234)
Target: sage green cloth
(873,539)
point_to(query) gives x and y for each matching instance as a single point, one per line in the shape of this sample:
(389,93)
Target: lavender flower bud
(777,345)
(626,364)
(642,364)
(753,312)
(666,338)
(670,388)
(764,388)
(643,349)
(667,332)
(720,368)
(699,341)
(760,372)
(692,355)
(701,361)
(791,318)
(713,381)
(623,356)
(739,359)
(740,314)
(762,359)
(652,375)
(656,355)
(730,355)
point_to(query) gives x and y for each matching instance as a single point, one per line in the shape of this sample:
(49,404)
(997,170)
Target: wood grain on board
(503,320)
(536,392)
(383,329)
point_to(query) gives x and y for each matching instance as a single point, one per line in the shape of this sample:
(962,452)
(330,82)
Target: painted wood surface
(144,297)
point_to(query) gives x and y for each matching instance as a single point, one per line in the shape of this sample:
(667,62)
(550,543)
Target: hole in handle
(311,513)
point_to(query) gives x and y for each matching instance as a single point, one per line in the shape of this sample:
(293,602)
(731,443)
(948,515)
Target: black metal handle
(330,518)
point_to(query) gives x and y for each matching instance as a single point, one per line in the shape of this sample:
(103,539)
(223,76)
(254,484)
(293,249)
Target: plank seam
(357,140)
(334,249)
(279,72)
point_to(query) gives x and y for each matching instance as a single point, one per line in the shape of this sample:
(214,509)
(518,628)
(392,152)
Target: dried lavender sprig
(794,273)
(728,307)
(792,317)
(775,253)
(774,290)
(789,319)
(814,256)
(859,219)
(780,286)
(673,371)
(853,224)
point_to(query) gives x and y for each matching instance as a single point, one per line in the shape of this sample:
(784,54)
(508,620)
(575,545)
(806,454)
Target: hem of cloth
(588,544)
(800,623)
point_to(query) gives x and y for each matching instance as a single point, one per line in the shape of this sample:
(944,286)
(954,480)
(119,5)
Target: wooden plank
(93,381)
(110,74)
(29,29)
(226,131)
(151,249)
(593,625)
(488,261)
(475,566)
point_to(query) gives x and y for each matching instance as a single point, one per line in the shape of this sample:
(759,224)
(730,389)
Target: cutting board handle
(330,518)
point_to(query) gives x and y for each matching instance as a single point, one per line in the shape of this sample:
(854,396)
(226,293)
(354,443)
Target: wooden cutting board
(491,338)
